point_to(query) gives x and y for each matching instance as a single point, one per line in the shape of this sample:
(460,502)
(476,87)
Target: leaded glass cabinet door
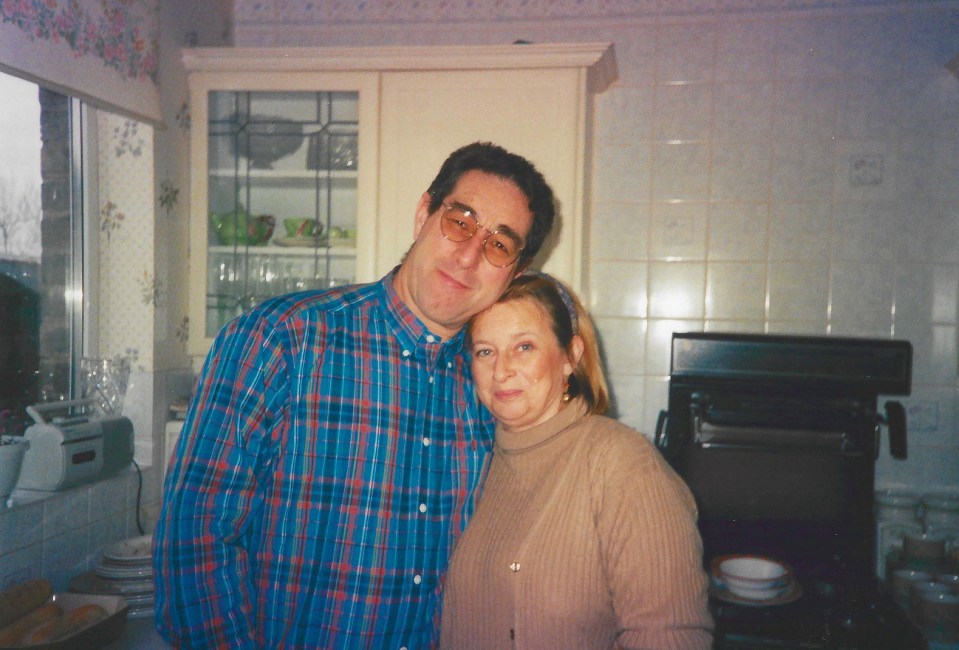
(277,196)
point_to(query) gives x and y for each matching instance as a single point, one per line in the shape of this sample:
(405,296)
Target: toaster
(71,443)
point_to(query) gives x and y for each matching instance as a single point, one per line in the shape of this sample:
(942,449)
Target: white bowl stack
(752,577)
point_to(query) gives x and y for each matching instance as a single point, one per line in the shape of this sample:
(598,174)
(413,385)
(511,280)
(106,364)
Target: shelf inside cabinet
(290,251)
(345,177)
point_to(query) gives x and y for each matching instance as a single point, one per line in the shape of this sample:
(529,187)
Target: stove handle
(661,438)
(896,421)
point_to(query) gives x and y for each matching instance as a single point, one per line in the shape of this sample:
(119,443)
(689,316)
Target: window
(41,248)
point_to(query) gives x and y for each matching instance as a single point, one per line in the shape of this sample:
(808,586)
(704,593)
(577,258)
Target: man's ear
(422,212)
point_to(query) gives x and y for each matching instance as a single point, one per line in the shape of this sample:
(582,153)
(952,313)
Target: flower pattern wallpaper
(118,32)
(129,291)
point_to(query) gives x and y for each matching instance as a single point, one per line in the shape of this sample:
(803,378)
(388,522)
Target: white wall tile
(65,556)
(926,293)
(805,110)
(862,298)
(741,172)
(738,231)
(623,344)
(624,109)
(803,171)
(622,172)
(800,328)
(808,47)
(800,231)
(934,351)
(685,52)
(928,231)
(736,290)
(619,231)
(683,112)
(742,112)
(680,172)
(865,231)
(743,50)
(798,291)
(618,289)
(20,527)
(659,342)
(868,109)
(677,289)
(756,326)
(71,510)
(628,396)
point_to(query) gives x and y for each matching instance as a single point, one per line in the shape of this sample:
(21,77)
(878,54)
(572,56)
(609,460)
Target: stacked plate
(124,569)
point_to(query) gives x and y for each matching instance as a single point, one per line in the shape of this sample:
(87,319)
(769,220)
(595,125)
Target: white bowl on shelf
(752,576)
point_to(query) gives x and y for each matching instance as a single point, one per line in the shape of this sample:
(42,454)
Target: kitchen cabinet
(350,138)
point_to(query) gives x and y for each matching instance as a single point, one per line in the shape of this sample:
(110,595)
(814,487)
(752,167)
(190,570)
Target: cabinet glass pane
(282,196)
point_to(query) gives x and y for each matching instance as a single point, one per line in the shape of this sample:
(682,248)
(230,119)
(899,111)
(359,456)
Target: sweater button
(514,567)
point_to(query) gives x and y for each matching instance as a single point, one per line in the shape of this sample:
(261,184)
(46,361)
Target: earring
(566,396)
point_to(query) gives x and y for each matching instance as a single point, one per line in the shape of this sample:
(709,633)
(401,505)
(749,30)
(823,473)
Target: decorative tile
(678,231)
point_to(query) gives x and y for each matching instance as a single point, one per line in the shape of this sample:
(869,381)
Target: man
(332,453)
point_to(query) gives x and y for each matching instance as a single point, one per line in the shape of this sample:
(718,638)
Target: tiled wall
(759,166)
(61,536)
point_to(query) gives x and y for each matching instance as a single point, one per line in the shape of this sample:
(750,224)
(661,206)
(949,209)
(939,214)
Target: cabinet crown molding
(597,58)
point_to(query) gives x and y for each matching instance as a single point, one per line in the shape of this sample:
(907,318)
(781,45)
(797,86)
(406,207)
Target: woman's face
(519,368)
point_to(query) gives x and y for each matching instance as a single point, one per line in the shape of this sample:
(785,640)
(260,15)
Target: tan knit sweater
(584,538)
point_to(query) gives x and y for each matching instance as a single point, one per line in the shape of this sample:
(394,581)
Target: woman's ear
(576,348)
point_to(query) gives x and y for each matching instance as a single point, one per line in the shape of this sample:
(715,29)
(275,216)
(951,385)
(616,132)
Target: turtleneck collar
(512,442)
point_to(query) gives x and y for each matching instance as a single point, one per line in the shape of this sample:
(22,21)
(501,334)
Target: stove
(777,438)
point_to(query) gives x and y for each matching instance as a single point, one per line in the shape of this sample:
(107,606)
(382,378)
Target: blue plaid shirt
(330,458)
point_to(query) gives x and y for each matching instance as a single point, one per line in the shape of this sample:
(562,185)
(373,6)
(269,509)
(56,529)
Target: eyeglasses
(459,224)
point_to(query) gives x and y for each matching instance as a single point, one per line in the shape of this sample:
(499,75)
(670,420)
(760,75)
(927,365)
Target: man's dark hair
(493,159)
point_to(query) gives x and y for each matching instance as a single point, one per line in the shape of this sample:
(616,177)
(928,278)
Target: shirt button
(426,442)
(514,567)
(431,380)
(430,338)
(449,364)
(417,579)
(423,507)
(406,353)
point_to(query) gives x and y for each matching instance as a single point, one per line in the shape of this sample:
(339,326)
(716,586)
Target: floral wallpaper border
(112,32)
(260,12)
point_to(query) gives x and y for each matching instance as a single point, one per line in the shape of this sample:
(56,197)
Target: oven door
(773,477)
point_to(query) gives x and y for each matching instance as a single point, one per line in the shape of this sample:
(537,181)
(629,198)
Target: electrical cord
(139,493)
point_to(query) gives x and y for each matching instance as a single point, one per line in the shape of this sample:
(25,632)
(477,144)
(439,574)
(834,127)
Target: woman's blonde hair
(567,318)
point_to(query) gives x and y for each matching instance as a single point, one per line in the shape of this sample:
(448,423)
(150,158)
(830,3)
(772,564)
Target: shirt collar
(409,329)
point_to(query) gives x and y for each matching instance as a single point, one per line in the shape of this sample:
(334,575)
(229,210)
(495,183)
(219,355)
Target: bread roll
(21,599)
(62,626)
(11,634)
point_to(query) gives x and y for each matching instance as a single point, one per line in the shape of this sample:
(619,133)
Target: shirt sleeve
(646,520)
(203,592)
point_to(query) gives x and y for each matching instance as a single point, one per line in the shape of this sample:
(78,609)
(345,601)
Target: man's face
(445,282)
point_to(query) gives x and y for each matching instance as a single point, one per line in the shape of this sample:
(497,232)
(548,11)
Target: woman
(584,536)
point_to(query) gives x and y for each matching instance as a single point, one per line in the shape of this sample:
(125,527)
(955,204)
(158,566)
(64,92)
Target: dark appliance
(777,438)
